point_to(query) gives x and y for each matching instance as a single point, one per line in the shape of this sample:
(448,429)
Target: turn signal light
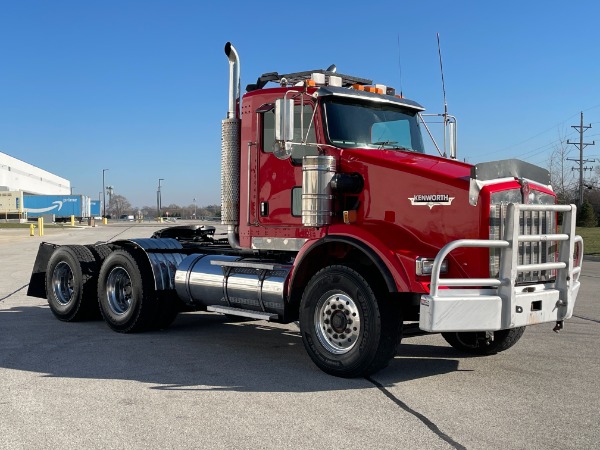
(350,216)
(424,266)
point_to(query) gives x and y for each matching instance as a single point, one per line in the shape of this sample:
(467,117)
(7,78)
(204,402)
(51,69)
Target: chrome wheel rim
(337,324)
(62,283)
(119,291)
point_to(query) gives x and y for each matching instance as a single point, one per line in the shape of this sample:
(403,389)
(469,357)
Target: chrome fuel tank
(203,280)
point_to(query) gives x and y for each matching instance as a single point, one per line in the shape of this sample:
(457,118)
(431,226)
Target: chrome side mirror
(284,127)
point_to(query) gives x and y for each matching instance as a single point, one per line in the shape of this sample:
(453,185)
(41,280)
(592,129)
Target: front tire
(348,328)
(484,343)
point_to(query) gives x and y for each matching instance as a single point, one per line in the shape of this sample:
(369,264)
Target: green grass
(591,239)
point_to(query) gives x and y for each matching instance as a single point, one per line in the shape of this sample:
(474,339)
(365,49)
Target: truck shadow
(198,352)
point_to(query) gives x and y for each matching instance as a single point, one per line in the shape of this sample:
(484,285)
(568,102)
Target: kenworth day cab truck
(336,218)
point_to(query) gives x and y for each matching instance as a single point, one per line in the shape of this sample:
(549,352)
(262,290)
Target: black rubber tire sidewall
(144,304)
(503,340)
(341,279)
(82,266)
(100,252)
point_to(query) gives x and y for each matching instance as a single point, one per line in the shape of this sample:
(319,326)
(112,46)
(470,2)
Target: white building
(17,175)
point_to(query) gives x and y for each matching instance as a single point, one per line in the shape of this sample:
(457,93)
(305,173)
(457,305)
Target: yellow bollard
(41,226)
(104,221)
(72,220)
(31,228)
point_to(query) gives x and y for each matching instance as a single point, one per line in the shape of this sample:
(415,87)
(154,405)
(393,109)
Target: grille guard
(490,304)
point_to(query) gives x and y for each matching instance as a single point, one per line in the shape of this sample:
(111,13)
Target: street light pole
(104,193)
(158,197)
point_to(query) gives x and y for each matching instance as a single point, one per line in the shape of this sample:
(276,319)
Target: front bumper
(490,304)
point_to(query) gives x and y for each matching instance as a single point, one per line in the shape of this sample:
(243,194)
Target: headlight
(540,198)
(506,197)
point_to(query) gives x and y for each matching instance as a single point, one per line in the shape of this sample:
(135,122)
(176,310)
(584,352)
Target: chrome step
(258,315)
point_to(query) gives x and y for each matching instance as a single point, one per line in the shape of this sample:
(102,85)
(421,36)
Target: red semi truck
(338,219)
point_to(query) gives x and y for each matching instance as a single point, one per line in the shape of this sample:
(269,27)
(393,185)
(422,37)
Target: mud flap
(37,283)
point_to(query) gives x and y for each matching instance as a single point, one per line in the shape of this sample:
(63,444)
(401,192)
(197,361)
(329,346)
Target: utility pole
(159,199)
(581,145)
(104,191)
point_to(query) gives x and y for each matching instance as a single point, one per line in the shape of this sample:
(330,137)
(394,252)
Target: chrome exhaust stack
(230,153)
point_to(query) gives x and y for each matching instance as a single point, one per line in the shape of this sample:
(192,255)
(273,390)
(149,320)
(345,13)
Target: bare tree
(119,205)
(562,177)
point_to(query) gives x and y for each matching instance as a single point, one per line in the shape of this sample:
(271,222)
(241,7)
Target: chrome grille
(530,222)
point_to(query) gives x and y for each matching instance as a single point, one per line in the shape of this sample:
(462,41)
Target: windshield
(353,123)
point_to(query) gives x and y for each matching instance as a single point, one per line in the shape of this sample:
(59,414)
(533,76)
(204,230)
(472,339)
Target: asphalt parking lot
(207,382)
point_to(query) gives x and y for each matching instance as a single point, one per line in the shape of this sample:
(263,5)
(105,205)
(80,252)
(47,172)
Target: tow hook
(559,326)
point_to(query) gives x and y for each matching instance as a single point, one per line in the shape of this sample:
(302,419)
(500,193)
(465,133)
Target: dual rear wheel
(118,285)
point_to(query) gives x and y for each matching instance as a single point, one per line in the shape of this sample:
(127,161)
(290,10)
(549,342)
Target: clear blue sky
(140,87)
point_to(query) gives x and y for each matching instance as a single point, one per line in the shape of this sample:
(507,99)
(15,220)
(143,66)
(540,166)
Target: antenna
(443,91)
(400,66)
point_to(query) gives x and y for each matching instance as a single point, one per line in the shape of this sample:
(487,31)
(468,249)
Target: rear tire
(126,293)
(484,343)
(100,252)
(71,283)
(347,329)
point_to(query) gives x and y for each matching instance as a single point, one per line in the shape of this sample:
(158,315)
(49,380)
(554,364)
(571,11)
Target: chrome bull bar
(490,304)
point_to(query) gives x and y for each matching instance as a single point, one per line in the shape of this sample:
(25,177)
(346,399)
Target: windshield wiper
(383,143)
(394,145)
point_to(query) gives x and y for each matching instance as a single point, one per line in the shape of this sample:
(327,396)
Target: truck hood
(448,171)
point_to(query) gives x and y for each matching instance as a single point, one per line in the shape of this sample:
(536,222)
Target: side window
(297,201)
(268,131)
(298,135)
(298,150)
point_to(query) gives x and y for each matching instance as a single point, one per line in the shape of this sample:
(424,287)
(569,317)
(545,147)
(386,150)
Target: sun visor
(505,170)
(510,168)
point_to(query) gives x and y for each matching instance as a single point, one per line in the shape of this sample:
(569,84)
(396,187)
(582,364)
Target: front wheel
(484,343)
(347,329)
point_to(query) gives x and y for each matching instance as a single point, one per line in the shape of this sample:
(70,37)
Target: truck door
(280,180)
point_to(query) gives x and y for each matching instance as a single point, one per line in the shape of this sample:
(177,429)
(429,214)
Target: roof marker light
(335,81)
(318,78)
(382,88)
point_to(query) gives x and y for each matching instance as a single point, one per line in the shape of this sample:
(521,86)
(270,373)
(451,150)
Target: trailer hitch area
(559,326)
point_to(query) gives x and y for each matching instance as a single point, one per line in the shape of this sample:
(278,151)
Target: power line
(547,129)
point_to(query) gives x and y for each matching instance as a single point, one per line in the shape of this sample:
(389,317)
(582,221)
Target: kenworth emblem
(431,200)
